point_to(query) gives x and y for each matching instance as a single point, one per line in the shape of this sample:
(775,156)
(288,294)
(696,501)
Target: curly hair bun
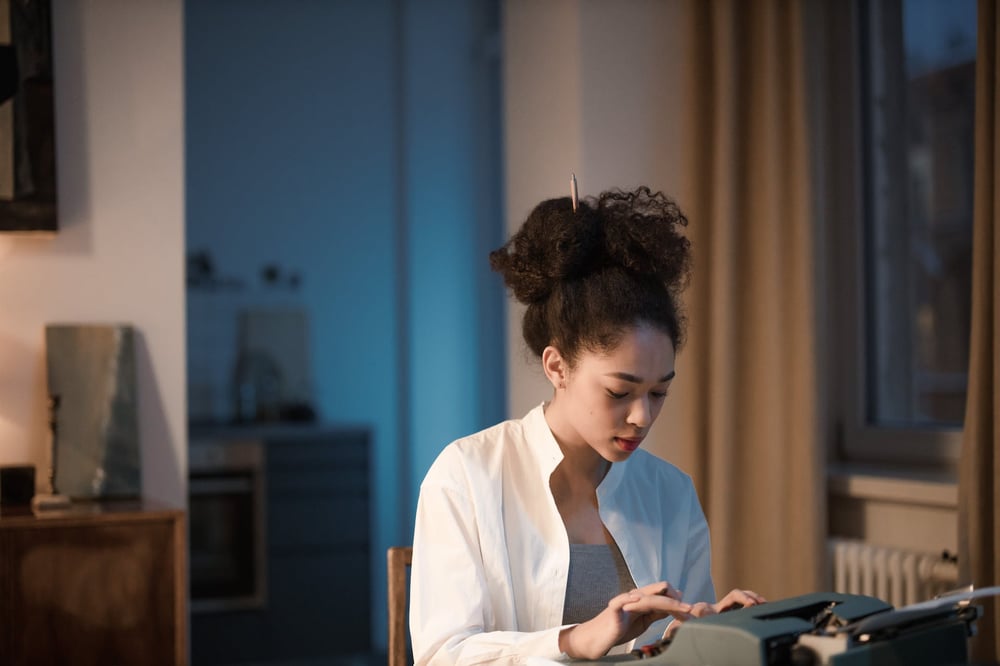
(638,231)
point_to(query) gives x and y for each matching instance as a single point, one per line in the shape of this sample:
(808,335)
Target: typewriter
(821,629)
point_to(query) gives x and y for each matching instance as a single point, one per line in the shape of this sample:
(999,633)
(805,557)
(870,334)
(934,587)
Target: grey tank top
(597,572)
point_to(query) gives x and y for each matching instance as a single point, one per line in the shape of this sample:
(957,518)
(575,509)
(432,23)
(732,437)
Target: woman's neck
(574,482)
(581,464)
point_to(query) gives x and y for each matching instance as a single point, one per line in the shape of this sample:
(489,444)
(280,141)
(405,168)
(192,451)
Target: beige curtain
(979,472)
(747,380)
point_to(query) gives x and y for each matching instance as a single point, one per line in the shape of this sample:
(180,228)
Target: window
(904,397)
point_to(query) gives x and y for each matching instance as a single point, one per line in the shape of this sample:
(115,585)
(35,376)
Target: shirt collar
(542,443)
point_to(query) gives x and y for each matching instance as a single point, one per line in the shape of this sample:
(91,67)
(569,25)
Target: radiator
(897,576)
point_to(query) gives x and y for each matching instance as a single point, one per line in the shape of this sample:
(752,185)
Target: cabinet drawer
(352,451)
(317,479)
(295,524)
(319,605)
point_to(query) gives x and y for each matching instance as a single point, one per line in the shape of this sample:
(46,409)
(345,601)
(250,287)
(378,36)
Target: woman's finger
(661,587)
(701,609)
(739,598)
(659,604)
(617,602)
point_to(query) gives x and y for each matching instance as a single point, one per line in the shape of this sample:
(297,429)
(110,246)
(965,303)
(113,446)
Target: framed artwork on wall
(27,117)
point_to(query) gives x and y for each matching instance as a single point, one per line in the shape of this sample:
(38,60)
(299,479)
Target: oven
(227,525)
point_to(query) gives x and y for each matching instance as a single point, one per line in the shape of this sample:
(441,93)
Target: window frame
(853,439)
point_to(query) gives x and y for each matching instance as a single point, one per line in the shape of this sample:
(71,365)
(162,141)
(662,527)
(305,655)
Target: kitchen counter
(314,497)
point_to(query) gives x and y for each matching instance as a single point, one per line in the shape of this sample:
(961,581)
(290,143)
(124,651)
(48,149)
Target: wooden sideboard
(97,583)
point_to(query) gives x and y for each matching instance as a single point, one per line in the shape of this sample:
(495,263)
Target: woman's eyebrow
(638,380)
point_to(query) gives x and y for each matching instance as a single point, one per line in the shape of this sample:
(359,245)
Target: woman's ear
(555,367)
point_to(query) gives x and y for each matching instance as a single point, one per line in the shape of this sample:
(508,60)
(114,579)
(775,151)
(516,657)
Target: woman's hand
(626,616)
(735,599)
(738,598)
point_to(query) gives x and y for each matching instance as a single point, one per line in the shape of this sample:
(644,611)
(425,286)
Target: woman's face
(611,399)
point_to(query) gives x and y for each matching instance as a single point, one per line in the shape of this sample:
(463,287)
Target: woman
(556,535)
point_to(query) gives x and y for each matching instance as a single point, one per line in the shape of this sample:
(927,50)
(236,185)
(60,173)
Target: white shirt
(491,554)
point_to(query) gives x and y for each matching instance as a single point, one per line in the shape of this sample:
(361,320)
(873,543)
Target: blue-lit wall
(358,144)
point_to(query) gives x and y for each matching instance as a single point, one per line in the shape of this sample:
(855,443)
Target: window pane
(919,66)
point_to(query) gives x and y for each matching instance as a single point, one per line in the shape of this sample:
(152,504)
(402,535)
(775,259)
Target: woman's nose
(639,414)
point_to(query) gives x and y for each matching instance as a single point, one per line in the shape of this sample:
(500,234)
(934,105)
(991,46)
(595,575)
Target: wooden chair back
(398,559)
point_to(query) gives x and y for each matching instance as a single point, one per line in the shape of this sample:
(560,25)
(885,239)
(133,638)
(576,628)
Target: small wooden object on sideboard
(94,583)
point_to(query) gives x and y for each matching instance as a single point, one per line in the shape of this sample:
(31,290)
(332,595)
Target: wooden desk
(98,583)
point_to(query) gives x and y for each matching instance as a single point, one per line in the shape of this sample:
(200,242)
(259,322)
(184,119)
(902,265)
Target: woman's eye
(616,396)
(659,395)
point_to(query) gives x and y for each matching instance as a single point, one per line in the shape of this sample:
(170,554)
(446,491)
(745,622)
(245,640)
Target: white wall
(119,252)
(591,87)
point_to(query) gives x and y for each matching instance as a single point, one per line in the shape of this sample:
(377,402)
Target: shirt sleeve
(451,616)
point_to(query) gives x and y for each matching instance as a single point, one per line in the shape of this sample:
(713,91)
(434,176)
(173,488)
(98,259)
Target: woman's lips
(629,443)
